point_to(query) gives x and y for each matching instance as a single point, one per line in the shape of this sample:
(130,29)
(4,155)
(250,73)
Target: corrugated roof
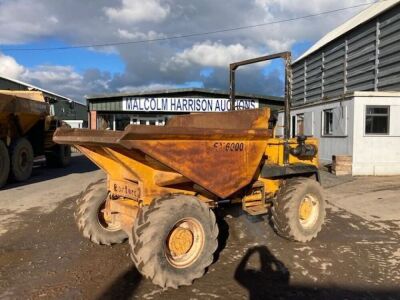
(181,91)
(31,86)
(364,16)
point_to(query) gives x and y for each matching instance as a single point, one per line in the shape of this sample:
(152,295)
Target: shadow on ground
(40,173)
(271,280)
(124,286)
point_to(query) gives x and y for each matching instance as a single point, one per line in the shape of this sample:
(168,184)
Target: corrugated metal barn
(346,91)
(365,58)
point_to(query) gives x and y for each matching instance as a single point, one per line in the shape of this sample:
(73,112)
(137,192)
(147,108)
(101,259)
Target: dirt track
(42,255)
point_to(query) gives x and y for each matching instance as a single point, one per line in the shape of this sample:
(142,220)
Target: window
(377,120)
(121,121)
(328,122)
(152,120)
(104,121)
(52,110)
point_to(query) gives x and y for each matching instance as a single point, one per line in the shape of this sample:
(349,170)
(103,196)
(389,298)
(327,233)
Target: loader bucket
(220,152)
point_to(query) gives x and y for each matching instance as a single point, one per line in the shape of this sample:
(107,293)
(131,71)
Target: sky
(199,61)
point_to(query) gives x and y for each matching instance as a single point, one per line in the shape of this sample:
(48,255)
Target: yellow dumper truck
(163,184)
(26,131)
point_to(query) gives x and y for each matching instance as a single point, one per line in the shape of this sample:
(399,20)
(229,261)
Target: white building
(346,91)
(364,125)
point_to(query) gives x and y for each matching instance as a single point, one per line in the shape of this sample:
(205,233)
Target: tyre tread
(84,205)
(142,237)
(282,207)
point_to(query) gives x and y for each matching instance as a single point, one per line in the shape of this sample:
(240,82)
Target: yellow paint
(132,170)
(154,180)
(29,95)
(180,241)
(274,152)
(305,209)
(274,156)
(199,160)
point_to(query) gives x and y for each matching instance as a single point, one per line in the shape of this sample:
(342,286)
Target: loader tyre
(90,219)
(21,158)
(174,240)
(298,211)
(59,157)
(4,164)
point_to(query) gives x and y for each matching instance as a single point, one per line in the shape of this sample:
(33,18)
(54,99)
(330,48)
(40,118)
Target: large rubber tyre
(287,214)
(4,164)
(153,230)
(59,157)
(21,154)
(88,216)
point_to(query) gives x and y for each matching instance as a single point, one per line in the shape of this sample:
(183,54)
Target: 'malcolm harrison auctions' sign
(184,104)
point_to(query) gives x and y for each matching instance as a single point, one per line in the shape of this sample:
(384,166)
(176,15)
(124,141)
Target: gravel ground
(356,256)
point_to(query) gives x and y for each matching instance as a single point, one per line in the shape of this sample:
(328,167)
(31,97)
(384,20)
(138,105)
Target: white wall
(376,154)
(372,154)
(74,123)
(341,141)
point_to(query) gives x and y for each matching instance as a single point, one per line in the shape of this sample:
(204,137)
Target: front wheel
(174,240)
(59,156)
(91,220)
(298,211)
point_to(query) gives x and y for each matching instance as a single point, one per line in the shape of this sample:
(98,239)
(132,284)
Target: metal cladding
(363,59)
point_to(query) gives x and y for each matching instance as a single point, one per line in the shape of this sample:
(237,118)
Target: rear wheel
(60,156)
(21,159)
(91,220)
(174,240)
(4,164)
(298,212)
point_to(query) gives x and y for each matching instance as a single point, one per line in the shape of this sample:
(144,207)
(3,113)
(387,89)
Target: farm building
(346,91)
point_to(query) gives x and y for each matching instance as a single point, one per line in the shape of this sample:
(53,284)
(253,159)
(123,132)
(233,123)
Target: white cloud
(77,22)
(281,36)
(210,54)
(50,75)
(24,20)
(9,67)
(148,87)
(279,45)
(128,35)
(134,11)
(60,79)
(274,7)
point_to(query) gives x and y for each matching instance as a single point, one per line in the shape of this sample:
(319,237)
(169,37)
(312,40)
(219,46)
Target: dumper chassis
(163,184)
